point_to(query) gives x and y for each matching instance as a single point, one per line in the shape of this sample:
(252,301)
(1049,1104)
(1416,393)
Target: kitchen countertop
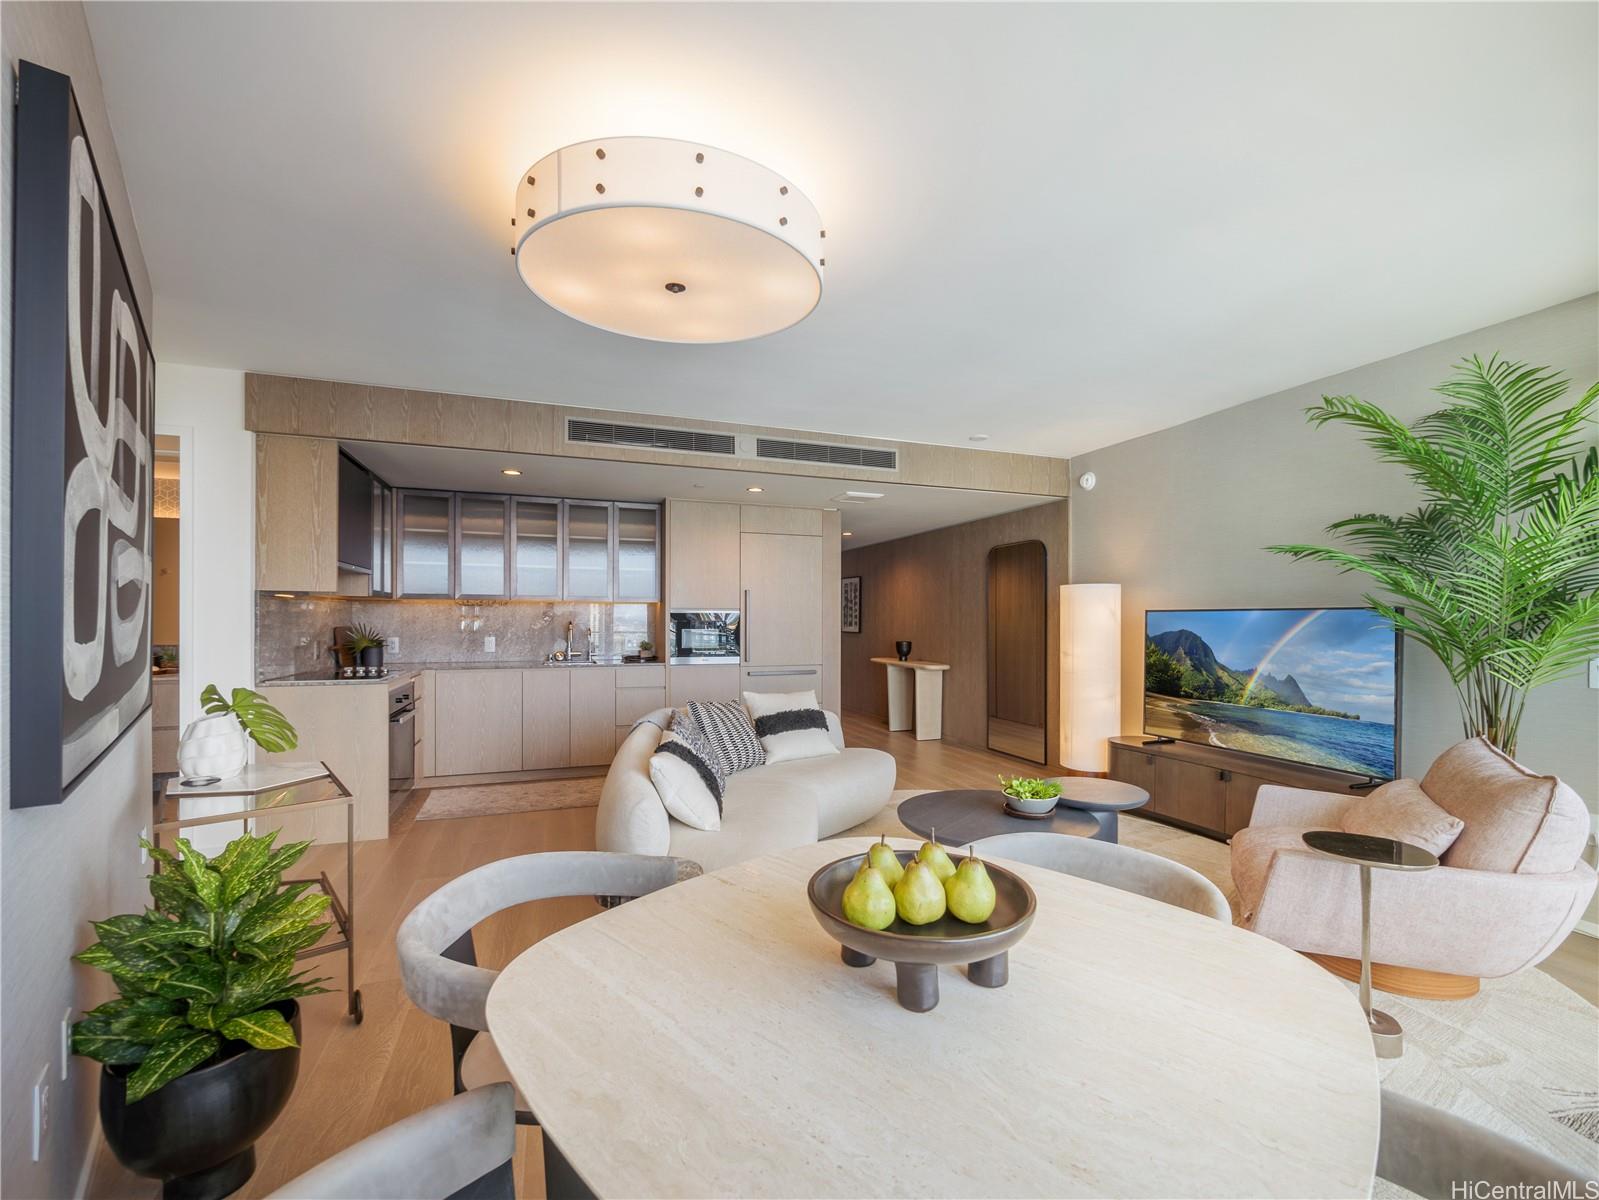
(400,672)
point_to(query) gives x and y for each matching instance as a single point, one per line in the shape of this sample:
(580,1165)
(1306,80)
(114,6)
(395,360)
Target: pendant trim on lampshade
(667,240)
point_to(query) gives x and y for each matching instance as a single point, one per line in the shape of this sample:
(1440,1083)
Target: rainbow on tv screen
(1310,685)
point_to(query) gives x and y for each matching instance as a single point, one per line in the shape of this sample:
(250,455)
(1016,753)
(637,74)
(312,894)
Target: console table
(916,692)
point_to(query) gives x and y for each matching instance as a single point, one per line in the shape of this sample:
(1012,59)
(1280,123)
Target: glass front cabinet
(589,526)
(638,551)
(537,570)
(482,558)
(425,523)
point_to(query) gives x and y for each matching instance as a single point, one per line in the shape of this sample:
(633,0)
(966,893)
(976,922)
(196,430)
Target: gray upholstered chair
(1115,866)
(438,962)
(458,1150)
(1442,1157)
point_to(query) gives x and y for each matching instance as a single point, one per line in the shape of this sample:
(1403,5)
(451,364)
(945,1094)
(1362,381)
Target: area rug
(493,799)
(1520,1057)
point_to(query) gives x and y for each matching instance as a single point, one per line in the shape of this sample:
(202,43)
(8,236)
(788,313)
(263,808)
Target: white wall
(60,865)
(1180,517)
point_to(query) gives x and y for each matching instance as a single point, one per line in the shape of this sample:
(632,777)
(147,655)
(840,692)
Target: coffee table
(967,815)
(1386,854)
(1105,798)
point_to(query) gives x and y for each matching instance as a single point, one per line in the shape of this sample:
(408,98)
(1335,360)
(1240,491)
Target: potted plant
(1497,573)
(646,650)
(215,744)
(1033,796)
(365,646)
(201,1046)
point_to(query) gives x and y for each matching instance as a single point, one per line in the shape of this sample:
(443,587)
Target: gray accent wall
(1179,519)
(60,865)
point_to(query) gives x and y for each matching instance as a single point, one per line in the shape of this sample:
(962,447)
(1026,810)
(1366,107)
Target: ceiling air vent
(822,452)
(649,437)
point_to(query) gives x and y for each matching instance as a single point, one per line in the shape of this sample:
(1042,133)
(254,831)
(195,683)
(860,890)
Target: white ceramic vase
(214,745)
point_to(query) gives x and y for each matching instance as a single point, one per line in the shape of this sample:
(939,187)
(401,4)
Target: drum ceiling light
(667,240)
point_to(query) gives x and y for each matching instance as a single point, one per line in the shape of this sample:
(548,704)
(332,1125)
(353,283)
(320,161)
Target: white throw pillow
(790,725)
(687,781)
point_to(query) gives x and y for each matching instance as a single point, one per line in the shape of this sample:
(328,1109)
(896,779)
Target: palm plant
(1497,573)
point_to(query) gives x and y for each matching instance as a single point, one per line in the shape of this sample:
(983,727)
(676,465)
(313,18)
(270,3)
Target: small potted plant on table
(201,1046)
(1030,797)
(365,647)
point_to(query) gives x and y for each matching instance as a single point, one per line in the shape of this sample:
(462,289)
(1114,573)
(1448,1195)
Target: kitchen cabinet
(702,555)
(547,718)
(789,678)
(701,683)
(355,515)
(536,571)
(296,514)
(425,521)
(482,546)
(638,552)
(588,550)
(478,721)
(781,578)
(772,518)
(593,710)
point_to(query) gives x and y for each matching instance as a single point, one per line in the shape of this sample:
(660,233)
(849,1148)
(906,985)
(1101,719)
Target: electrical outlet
(488,643)
(1593,673)
(391,645)
(66,1043)
(41,1110)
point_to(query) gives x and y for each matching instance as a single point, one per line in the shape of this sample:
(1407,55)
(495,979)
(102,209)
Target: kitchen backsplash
(295,635)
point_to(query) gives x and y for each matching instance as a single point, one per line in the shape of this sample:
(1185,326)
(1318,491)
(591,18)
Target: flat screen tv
(1308,685)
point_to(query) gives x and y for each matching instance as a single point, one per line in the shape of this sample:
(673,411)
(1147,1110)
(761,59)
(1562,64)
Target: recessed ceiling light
(978,437)
(667,240)
(847,533)
(509,471)
(754,489)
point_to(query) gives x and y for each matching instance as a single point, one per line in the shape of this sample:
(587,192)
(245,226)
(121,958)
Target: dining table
(706,1040)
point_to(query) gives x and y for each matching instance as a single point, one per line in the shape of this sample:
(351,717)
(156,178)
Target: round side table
(1387,855)
(1104,798)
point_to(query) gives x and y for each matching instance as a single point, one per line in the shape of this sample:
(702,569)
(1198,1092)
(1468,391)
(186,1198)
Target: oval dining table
(706,1040)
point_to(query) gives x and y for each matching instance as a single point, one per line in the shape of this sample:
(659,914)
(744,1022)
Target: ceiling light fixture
(754,489)
(847,533)
(509,471)
(667,240)
(978,437)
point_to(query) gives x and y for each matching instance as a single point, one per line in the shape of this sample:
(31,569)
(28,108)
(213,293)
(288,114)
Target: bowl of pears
(921,910)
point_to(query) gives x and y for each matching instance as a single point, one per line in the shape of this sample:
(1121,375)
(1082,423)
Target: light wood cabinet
(804,678)
(702,555)
(701,683)
(426,695)
(479,721)
(296,514)
(1240,792)
(593,708)
(771,518)
(781,575)
(633,703)
(546,719)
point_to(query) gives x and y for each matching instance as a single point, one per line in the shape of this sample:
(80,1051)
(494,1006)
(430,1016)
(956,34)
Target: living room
(978,562)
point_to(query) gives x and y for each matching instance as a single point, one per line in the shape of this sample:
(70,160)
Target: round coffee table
(1386,854)
(1102,797)
(967,815)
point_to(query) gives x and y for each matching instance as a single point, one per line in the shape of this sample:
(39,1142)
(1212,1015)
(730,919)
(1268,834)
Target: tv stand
(1210,790)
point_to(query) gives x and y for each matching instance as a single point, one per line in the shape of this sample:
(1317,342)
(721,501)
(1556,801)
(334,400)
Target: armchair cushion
(1253,849)
(1515,820)
(1401,810)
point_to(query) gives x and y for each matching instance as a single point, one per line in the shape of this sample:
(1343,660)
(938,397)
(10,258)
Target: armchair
(1506,893)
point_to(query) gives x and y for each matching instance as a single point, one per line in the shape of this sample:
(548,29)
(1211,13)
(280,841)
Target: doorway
(165,629)
(1018,668)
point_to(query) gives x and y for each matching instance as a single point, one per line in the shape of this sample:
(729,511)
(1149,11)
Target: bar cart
(271,791)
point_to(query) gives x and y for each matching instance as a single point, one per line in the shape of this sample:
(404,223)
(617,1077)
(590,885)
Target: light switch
(391,644)
(1593,673)
(488,643)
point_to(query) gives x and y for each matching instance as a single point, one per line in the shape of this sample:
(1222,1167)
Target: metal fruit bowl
(918,950)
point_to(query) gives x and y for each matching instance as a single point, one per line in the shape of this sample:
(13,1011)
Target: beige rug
(1520,1057)
(493,799)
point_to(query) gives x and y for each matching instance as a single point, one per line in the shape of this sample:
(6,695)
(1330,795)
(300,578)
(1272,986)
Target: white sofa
(765,809)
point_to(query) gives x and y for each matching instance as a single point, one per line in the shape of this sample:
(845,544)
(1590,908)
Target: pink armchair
(1510,886)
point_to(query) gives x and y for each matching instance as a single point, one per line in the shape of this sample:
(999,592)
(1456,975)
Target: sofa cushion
(726,728)
(846,788)
(1515,820)
(761,814)
(1401,810)
(685,776)
(1253,848)
(631,817)
(791,725)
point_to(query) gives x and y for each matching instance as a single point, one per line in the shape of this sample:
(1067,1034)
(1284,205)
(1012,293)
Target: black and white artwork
(850,606)
(82,458)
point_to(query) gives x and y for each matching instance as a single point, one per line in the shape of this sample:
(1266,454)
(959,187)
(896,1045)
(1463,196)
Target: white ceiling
(1060,225)
(904,509)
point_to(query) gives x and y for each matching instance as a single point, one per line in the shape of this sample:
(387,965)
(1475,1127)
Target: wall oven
(402,739)
(702,637)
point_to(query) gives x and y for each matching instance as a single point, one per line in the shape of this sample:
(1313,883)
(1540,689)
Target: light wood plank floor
(354,1080)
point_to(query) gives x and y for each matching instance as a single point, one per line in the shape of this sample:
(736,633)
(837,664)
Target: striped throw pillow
(790,725)
(725,728)
(687,780)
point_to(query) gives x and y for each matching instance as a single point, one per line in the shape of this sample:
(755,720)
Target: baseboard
(1587,928)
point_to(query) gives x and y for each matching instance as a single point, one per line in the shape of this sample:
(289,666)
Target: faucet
(569,625)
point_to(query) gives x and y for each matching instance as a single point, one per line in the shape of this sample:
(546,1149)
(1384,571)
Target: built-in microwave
(702,637)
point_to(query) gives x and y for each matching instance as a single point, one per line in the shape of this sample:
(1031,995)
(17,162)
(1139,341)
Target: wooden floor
(354,1080)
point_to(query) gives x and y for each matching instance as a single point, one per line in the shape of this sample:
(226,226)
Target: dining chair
(458,1150)
(1442,1157)
(1113,865)
(438,961)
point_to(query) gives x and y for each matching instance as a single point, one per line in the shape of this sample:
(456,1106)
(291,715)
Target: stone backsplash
(295,635)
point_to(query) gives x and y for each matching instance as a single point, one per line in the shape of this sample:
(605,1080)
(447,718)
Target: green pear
(934,856)
(868,902)
(919,896)
(970,891)
(882,857)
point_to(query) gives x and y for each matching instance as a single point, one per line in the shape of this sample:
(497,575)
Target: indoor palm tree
(1497,573)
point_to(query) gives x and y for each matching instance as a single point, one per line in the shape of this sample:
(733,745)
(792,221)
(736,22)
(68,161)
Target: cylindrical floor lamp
(1090,673)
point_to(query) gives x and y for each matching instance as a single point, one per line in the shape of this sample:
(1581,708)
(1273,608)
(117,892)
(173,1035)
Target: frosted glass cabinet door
(588,550)
(481,523)
(538,549)
(638,552)
(425,543)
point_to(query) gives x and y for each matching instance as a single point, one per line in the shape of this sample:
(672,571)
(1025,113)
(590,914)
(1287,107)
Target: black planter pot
(372,656)
(197,1134)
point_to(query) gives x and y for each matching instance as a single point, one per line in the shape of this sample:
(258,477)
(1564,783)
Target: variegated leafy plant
(205,965)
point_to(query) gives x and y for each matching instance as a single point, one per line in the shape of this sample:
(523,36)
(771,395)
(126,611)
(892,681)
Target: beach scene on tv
(1311,685)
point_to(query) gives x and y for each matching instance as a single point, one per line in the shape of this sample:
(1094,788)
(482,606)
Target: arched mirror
(1018,666)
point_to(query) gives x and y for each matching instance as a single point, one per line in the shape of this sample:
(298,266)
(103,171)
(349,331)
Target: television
(1317,686)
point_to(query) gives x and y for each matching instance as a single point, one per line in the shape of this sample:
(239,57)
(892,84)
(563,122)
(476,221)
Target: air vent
(821,452)
(649,437)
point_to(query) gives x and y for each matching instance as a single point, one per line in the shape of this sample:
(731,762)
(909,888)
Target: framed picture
(851,603)
(81,464)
